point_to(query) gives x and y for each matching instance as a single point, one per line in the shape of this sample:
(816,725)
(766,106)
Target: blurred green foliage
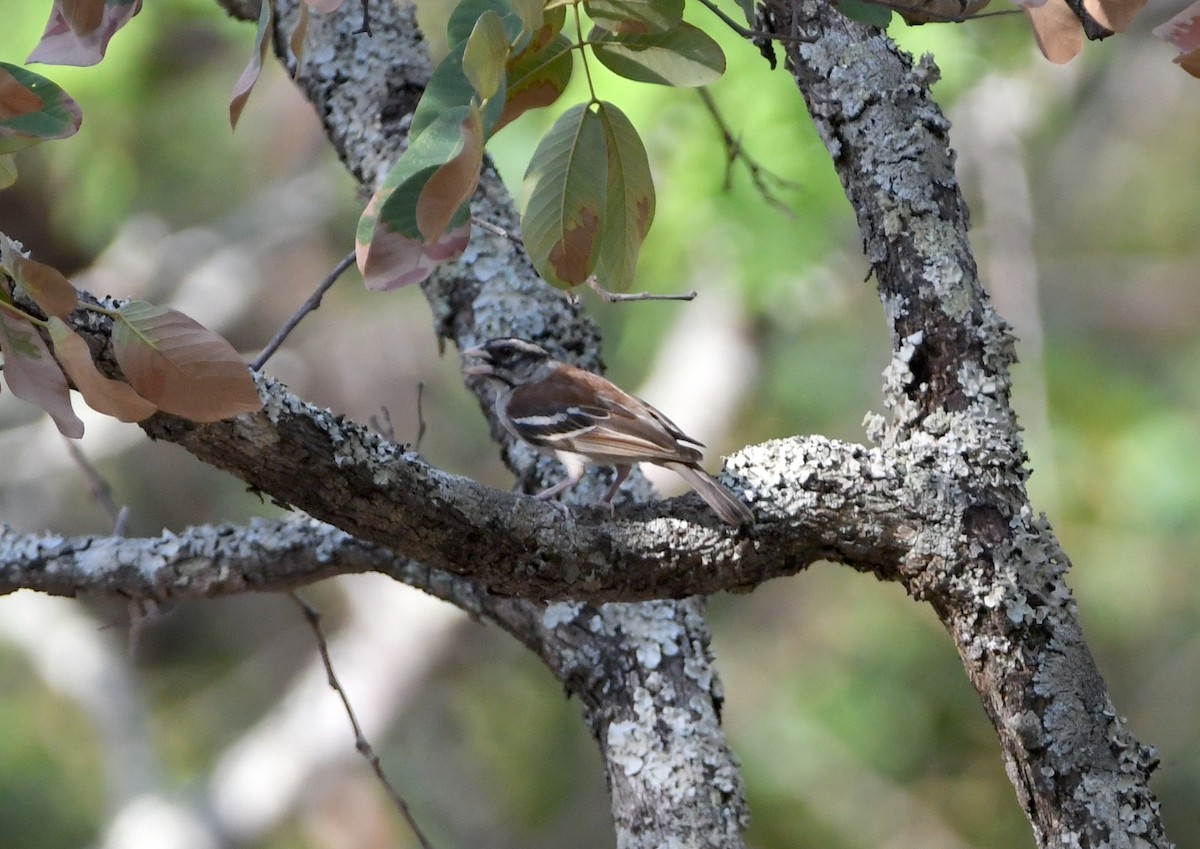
(845,702)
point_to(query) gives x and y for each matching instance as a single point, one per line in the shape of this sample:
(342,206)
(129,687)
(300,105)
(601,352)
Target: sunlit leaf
(635,16)
(450,187)
(33,374)
(449,88)
(1058,32)
(537,79)
(103,394)
(245,83)
(33,109)
(564,198)
(684,56)
(485,55)
(395,261)
(63,44)
(181,366)
(630,207)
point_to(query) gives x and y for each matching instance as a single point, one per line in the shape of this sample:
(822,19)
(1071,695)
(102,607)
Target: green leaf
(445,199)
(8,170)
(537,78)
(33,109)
(532,14)
(630,207)
(449,89)
(684,56)
(630,17)
(866,13)
(564,198)
(467,13)
(485,55)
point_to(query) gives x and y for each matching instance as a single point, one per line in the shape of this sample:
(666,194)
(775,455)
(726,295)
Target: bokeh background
(209,724)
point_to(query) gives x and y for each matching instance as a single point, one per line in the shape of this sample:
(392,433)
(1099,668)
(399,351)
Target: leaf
(103,394)
(180,365)
(531,14)
(630,206)
(46,285)
(537,79)
(1058,32)
(467,13)
(32,373)
(8,170)
(81,44)
(872,14)
(83,16)
(245,83)
(450,187)
(33,109)
(296,41)
(1183,30)
(449,88)
(684,56)
(1115,15)
(396,261)
(635,16)
(485,55)
(564,198)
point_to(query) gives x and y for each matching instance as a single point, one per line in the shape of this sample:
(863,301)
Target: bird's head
(508,360)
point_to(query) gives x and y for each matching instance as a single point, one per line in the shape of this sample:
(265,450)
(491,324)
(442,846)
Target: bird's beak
(481,369)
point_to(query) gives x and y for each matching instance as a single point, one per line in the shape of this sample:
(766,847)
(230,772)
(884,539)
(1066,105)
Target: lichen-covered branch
(996,578)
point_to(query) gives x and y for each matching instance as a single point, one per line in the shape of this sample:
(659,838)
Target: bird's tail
(725,503)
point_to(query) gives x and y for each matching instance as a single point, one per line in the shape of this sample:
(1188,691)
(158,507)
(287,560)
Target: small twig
(420,414)
(754,34)
(618,297)
(99,488)
(735,152)
(366,20)
(313,618)
(495,230)
(383,424)
(308,306)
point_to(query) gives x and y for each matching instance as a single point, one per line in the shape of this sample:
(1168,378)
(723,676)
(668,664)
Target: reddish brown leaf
(103,394)
(16,99)
(32,373)
(1190,62)
(45,285)
(392,260)
(83,16)
(453,184)
(245,83)
(1058,32)
(180,365)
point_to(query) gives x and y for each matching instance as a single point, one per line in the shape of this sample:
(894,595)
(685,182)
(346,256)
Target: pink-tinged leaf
(1058,31)
(103,394)
(451,186)
(1183,30)
(322,7)
(61,44)
(565,199)
(83,16)
(180,365)
(33,109)
(1113,14)
(392,260)
(48,288)
(33,374)
(245,83)
(296,42)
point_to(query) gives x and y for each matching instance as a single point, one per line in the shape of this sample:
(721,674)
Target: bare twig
(382,424)
(366,19)
(495,230)
(754,35)
(734,152)
(314,301)
(620,297)
(420,414)
(98,487)
(313,617)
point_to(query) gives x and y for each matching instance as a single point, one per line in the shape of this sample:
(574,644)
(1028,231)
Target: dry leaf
(103,394)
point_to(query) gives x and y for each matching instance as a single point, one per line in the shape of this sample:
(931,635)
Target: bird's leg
(622,473)
(575,469)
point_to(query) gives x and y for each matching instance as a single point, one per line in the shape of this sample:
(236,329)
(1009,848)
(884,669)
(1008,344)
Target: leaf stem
(587,70)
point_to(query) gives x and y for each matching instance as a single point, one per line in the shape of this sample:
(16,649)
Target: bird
(586,420)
